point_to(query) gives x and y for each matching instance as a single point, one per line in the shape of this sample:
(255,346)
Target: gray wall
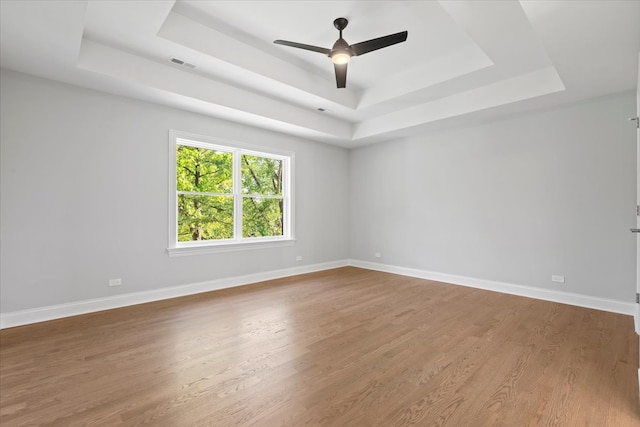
(84,196)
(515,200)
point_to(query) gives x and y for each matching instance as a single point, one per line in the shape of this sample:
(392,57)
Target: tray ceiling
(462,59)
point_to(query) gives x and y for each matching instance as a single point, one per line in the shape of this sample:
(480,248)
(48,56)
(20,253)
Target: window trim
(239,243)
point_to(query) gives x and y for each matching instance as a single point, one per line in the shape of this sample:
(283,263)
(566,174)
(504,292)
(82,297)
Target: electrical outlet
(115,282)
(377,255)
(557,279)
(299,258)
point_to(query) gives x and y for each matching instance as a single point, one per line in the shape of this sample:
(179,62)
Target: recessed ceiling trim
(232,56)
(448,67)
(106,60)
(534,84)
(509,41)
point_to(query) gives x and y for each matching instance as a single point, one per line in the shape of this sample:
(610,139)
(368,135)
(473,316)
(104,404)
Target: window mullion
(286,198)
(202,193)
(237,196)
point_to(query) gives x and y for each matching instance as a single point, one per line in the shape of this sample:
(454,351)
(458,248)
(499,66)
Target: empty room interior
(319,213)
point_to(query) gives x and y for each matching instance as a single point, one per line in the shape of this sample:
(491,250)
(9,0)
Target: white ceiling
(462,59)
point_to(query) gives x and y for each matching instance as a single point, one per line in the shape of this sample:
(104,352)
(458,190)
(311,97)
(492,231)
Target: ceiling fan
(341,52)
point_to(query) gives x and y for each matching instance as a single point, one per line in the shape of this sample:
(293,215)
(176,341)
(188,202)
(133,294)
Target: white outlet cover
(115,282)
(557,279)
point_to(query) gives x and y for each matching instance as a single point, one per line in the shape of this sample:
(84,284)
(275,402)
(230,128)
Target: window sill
(227,247)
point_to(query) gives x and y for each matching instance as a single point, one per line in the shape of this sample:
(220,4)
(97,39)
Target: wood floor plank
(344,347)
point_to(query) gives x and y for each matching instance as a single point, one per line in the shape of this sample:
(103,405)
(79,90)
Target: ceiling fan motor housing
(341,46)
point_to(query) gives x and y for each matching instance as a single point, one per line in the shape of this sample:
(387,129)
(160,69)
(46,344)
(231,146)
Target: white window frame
(176,248)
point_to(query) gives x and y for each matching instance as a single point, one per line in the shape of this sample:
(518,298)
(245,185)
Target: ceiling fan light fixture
(340,57)
(341,52)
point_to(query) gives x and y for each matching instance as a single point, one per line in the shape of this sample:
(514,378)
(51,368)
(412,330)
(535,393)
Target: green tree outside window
(207,203)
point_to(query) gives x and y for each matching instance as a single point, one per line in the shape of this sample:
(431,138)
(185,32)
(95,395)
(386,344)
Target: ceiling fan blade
(375,44)
(303,46)
(341,75)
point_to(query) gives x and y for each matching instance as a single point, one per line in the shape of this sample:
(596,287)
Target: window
(226,197)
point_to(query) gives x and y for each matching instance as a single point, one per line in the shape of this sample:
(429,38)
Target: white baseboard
(579,300)
(41,314)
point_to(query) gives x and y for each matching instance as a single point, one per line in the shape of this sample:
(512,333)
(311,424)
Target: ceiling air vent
(181,62)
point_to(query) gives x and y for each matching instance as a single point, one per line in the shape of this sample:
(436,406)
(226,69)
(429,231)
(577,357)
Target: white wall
(513,201)
(84,196)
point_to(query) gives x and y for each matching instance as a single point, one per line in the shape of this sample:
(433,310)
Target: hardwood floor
(345,347)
